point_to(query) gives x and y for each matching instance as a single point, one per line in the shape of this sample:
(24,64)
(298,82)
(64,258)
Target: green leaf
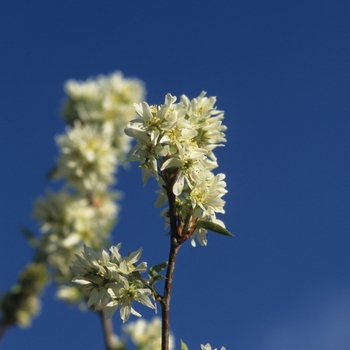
(154,270)
(29,236)
(211,226)
(51,173)
(27,233)
(183,345)
(156,278)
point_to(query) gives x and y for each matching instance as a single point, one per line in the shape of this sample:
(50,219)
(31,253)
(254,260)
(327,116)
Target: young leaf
(27,233)
(154,270)
(51,173)
(212,226)
(156,278)
(183,345)
(29,236)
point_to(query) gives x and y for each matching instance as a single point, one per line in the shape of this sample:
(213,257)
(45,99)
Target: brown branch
(107,331)
(3,329)
(174,248)
(165,301)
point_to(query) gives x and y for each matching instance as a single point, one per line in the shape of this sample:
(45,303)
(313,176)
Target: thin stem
(174,248)
(3,329)
(165,302)
(107,331)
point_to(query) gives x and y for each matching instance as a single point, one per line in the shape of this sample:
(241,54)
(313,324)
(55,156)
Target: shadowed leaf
(211,226)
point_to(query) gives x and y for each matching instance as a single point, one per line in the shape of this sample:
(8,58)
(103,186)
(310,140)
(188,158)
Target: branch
(107,331)
(3,329)
(174,248)
(165,301)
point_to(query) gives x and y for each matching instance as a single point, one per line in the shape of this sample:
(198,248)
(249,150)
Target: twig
(165,302)
(174,248)
(107,331)
(3,329)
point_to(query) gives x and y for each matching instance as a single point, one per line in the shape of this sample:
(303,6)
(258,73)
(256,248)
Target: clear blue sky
(281,72)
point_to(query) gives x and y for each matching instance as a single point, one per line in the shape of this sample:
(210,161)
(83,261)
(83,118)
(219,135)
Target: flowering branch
(84,210)
(174,248)
(174,144)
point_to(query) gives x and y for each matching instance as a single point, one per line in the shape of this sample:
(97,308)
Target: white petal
(125,312)
(80,280)
(179,185)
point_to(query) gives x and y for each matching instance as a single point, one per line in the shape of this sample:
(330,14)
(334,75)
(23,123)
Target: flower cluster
(66,221)
(106,101)
(88,159)
(147,335)
(21,303)
(94,145)
(174,144)
(112,281)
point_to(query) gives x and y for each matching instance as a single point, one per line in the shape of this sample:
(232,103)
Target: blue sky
(281,72)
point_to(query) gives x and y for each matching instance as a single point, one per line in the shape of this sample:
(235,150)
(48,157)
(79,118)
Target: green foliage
(183,345)
(154,270)
(51,173)
(211,226)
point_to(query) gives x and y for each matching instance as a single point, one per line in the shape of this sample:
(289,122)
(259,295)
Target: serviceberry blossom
(190,162)
(122,295)
(106,101)
(147,335)
(91,149)
(68,220)
(112,281)
(176,141)
(87,157)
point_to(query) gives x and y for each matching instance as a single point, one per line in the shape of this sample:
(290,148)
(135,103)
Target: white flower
(96,274)
(65,215)
(114,278)
(123,294)
(207,193)
(51,212)
(68,293)
(155,120)
(103,99)
(147,335)
(208,347)
(67,221)
(201,236)
(89,221)
(87,157)
(126,265)
(147,152)
(106,101)
(190,162)
(180,135)
(82,91)
(174,144)
(206,119)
